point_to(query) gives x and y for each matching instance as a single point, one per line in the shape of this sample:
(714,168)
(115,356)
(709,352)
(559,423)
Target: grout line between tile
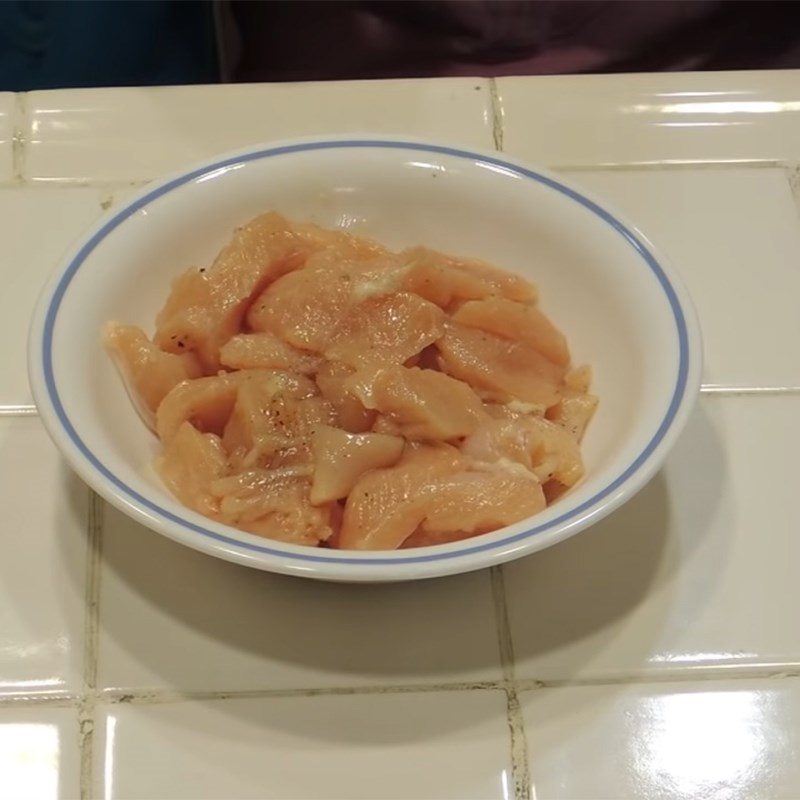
(793,178)
(520,769)
(498,136)
(688,674)
(92,598)
(694,674)
(86,720)
(665,165)
(741,391)
(516,725)
(110,186)
(80,183)
(86,745)
(505,643)
(18,411)
(162,696)
(45,699)
(19,139)
(497,115)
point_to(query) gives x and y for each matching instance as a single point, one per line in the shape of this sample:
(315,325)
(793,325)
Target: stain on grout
(520,768)
(111,195)
(92,597)
(497,115)
(86,720)
(694,674)
(86,746)
(793,178)
(162,696)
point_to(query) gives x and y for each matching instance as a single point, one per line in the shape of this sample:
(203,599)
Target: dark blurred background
(70,43)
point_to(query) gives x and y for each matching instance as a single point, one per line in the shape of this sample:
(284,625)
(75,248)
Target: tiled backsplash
(136,134)
(661,119)
(655,655)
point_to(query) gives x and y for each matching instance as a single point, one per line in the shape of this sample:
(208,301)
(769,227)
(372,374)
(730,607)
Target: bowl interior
(593,283)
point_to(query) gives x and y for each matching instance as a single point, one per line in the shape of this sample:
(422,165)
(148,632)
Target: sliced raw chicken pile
(316,388)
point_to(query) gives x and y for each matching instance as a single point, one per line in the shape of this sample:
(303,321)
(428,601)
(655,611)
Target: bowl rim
(462,556)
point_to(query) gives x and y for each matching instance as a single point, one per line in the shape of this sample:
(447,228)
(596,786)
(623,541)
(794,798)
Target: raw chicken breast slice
(424,404)
(275,504)
(534,443)
(206,307)
(332,379)
(386,505)
(509,369)
(386,330)
(190,463)
(208,402)
(445,280)
(341,458)
(267,351)
(521,323)
(477,501)
(148,372)
(432,497)
(271,424)
(307,307)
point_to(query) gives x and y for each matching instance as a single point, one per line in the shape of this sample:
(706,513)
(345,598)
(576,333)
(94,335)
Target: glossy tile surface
(42,568)
(733,236)
(701,568)
(198,623)
(38,225)
(719,739)
(694,580)
(6,135)
(429,745)
(667,118)
(39,754)
(135,134)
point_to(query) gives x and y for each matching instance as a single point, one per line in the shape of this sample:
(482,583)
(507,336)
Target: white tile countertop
(655,656)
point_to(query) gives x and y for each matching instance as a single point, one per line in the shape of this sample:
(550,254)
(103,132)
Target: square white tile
(140,133)
(702,568)
(37,225)
(426,746)
(734,237)
(7,103)
(42,569)
(39,757)
(172,617)
(679,741)
(670,117)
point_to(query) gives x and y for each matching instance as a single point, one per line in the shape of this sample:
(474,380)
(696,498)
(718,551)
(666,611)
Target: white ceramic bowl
(622,308)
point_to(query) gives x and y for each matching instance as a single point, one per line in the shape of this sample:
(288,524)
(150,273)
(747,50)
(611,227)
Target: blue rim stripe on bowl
(331,556)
